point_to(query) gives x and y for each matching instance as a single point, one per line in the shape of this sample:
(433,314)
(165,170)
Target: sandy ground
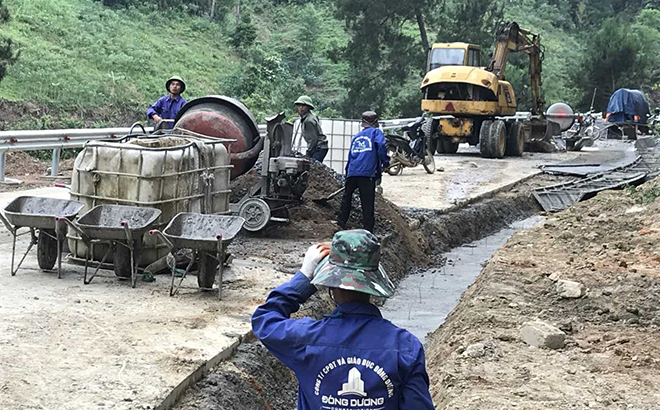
(478,359)
(466,175)
(65,345)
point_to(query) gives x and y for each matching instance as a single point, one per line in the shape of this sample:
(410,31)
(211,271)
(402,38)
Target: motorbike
(654,120)
(409,149)
(583,133)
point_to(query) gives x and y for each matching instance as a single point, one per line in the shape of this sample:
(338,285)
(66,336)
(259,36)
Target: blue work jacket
(368,154)
(166,107)
(352,359)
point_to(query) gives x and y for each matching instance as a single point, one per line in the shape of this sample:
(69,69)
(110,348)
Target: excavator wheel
(515,140)
(494,145)
(484,135)
(449,146)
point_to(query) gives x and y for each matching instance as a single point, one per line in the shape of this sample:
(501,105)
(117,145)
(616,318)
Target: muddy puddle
(423,300)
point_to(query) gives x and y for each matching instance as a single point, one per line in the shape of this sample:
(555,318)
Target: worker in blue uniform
(168,106)
(353,358)
(367,158)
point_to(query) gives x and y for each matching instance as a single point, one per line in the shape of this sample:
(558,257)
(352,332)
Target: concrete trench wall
(248,377)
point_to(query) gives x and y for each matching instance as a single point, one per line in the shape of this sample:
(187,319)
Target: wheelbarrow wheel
(256,213)
(46,249)
(208,266)
(122,262)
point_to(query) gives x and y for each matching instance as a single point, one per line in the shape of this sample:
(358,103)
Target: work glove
(313,256)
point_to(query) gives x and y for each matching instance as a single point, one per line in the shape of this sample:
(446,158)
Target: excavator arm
(513,38)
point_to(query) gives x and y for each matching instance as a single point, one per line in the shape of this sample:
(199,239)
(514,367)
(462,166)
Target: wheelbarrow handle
(73,226)
(159,234)
(60,185)
(127,231)
(8,225)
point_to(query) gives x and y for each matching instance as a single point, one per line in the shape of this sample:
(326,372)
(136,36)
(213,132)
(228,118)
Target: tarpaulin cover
(625,103)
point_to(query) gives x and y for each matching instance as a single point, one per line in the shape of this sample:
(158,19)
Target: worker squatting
(354,361)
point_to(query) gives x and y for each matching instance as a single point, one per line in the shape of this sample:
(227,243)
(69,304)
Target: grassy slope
(81,57)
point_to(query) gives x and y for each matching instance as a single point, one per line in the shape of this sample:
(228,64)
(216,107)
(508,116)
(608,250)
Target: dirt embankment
(478,358)
(468,222)
(253,380)
(32,172)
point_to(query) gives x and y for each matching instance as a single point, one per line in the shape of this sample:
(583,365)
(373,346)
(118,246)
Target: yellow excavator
(464,102)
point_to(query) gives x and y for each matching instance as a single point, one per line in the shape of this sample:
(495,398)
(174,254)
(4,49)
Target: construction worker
(168,106)
(366,159)
(353,358)
(310,128)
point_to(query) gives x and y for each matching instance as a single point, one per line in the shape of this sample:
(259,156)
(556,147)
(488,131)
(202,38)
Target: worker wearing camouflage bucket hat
(352,358)
(310,129)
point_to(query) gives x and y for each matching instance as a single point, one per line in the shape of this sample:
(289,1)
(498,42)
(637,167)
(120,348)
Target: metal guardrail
(57,140)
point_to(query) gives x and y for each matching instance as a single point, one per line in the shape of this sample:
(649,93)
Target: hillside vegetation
(101,63)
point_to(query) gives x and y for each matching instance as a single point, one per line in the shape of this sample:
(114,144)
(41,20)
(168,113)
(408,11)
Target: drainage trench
(424,299)
(461,241)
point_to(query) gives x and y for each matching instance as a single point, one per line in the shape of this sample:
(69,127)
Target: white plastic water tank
(173,174)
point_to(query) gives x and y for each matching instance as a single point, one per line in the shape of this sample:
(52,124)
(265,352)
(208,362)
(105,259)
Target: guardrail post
(3,154)
(55,162)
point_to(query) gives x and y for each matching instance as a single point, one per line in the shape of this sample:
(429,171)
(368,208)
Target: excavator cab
(448,54)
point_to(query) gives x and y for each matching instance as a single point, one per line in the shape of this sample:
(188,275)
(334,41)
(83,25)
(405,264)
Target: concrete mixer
(219,116)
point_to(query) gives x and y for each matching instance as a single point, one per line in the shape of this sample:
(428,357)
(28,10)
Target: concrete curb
(202,370)
(487,195)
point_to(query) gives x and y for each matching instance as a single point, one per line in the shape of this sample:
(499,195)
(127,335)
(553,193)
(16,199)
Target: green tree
(470,21)
(611,61)
(647,30)
(8,52)
(215,9)
(244,34)
(383,50)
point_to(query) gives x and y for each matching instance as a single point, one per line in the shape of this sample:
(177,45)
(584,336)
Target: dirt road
(466,175)
(65,345)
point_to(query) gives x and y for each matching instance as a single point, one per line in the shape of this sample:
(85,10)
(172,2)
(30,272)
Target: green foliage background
(101,63)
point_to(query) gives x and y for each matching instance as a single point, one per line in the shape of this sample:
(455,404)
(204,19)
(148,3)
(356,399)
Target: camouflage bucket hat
(353,264)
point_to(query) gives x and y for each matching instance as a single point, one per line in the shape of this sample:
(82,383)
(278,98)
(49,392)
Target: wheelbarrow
(42,215)
(207,236)
(122,228)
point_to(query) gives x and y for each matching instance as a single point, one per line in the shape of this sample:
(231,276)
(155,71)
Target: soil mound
(401,247)
(610,358)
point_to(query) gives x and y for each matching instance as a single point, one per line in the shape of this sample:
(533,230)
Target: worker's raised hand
(313,256)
